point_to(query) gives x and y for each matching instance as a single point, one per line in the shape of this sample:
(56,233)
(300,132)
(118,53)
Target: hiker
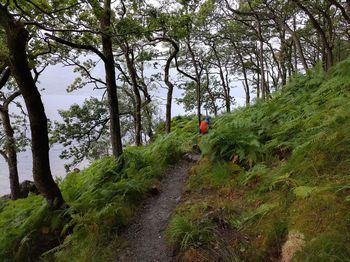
(203,127)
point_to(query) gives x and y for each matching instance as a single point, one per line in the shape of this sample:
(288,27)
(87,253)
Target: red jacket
(203,127)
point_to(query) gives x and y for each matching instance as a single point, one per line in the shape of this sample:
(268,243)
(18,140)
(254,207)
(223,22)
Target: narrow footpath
(145,237)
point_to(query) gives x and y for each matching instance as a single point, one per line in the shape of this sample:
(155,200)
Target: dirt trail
(145,236)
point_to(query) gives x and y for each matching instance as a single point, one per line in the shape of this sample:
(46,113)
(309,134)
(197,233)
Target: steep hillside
(273,182)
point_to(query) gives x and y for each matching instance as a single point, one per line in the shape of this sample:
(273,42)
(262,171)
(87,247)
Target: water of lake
(25,167)
(52,103)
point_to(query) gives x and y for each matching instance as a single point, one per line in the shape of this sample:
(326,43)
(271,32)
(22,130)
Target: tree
(218,61)
(9,151)
(191,66)
(84,131)
(103,13)
(163,28)
(130,31)
(169,84)
(16,41)
(325,32)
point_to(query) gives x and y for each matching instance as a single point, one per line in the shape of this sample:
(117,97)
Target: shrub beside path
(145,237)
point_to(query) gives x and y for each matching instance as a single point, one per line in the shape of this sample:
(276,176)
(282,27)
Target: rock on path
(145,236)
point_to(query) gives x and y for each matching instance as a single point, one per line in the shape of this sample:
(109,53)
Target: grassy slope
(293,176)
(102,200)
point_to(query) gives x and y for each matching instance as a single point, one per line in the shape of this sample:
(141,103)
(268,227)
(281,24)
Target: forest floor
(145,237)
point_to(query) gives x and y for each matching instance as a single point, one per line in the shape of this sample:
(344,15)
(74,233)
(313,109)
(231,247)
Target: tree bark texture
(113,104)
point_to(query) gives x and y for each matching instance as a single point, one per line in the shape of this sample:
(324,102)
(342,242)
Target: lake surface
(25,167)
(52,103)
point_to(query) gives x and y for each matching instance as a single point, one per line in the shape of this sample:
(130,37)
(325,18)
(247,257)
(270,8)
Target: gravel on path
(145,236)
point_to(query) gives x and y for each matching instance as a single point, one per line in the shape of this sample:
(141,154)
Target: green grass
(102,201)
(293,173)
(23,222)
(188,234)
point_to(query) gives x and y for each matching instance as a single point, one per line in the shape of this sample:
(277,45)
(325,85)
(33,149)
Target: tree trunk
(113,105)
(196,79)
(169,99)
(198,83)
(298,46)
(211,96)
(345,13)
(329,21)
(104,16)
(11,153)
(247,95)
(295,46)
(226,91)
(244,71)
(17,37)
(258,86)
(261,59)
(283,62)
(223,81)
(198,95)
(325,41)
(170,87)
(149,131)
(228,95)
(133,76)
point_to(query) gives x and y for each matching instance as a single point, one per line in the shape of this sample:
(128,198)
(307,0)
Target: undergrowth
(271,169)
(102,200)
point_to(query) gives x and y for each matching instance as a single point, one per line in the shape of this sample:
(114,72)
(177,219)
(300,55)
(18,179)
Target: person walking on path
(204,125)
